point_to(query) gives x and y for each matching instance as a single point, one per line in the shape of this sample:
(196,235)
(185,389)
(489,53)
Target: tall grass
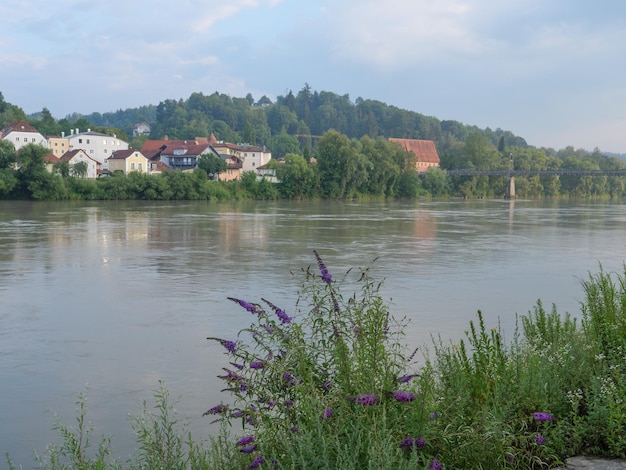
(332,385)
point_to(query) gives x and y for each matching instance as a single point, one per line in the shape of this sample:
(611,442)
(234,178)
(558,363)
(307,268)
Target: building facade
(21,133)
(98,146)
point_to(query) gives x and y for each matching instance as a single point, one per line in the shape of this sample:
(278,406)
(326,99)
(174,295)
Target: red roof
(19,126)
(51,158)
(424,150)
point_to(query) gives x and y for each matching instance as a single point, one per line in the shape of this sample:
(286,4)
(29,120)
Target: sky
(550,71)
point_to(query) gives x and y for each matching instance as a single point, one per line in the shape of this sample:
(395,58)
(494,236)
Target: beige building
(128,161)
(58,145)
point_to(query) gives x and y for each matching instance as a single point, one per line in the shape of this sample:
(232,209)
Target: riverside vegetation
(333,385)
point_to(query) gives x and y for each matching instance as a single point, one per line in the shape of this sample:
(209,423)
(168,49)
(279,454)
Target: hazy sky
(551,71)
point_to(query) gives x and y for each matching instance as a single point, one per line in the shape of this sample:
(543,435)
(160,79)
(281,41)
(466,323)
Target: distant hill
(293,119)
(617,155)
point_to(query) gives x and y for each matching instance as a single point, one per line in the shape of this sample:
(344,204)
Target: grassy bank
(334,386)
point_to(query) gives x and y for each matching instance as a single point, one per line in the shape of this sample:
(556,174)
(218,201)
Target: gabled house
(181,155)
(425,152)
(72,157)
(127,161)
(141,128)
(21,133)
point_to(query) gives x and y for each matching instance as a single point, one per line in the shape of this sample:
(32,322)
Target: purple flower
(411,442)
(539,416)
(328,412)
(248,449)
(245,440)
(510,457)
(287,376)
(216,410)
(434,415)
(405,378)
(435,465)
(230,376)
(294,428)
(238,366)
(288,403)
(256,463)
(243,388)
(366,399)
(539,439)
(326,384)
(247,305)
(236,414)
(323,269)
(403,396)
(229,345)
(280,313)
(250,420)
(257,365)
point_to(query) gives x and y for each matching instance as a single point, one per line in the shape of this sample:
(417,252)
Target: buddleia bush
(329,385)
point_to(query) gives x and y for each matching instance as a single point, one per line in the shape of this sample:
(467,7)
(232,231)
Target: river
(109,298)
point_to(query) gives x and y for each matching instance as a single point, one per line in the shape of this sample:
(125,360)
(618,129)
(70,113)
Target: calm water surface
(111,298)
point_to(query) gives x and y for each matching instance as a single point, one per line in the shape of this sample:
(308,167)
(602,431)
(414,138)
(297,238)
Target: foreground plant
(332,376)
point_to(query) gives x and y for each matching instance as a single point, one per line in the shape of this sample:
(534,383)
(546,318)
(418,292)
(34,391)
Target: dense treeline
(348,141)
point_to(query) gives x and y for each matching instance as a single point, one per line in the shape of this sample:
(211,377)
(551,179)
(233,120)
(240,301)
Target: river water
(110,298)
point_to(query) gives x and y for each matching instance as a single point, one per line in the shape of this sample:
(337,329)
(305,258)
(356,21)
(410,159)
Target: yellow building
(58,145)
(127,161)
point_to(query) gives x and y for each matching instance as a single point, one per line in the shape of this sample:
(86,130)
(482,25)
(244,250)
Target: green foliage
(212,164)
(76,448)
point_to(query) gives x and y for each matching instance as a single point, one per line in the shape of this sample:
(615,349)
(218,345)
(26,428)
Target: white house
(21,133)
(79,155)
(98,146)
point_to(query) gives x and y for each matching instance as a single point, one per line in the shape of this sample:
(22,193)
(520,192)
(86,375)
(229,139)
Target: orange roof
(424,150)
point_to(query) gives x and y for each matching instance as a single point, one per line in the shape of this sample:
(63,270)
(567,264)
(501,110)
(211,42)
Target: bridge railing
(560,172)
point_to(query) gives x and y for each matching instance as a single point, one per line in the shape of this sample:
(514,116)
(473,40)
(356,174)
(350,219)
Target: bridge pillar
(510,188)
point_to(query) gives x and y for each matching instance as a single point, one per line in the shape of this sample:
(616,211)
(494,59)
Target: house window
(132,166)
(105,150)
(33,139)
(80,141)
(140,167)
(25,139)
(17,139)
(56,144)
(87,140)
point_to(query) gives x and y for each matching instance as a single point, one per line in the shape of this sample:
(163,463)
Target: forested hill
(286,125)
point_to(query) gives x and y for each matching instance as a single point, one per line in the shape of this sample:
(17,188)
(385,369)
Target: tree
(436,182)
(79,169)
(296,176)
(212,164)
(7,154)
(336,161)
(62,168)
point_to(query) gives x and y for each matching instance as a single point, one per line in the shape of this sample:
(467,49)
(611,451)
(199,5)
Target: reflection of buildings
(425,226)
